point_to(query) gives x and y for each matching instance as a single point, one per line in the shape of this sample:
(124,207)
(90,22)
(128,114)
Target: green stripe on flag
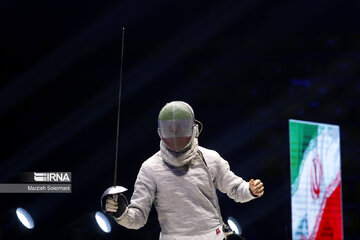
(300,136)
(175,111)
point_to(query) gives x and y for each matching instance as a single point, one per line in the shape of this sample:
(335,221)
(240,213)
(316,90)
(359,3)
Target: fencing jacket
(182,188)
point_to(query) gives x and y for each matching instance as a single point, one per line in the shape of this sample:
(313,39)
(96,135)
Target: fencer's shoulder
(209,153)
(152,162)
(214,161)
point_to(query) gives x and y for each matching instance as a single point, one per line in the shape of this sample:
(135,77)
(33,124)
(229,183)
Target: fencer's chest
(194,179)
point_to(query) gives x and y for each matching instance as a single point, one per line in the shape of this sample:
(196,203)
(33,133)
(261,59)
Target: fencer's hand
(256,187)
(111,205)
(116,205)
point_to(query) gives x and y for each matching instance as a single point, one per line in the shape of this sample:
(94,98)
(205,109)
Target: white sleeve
(227,182)
(136,214)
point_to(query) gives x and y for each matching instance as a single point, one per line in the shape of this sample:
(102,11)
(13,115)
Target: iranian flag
(315,181)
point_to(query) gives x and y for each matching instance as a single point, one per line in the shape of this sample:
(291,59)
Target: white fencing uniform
(182,188)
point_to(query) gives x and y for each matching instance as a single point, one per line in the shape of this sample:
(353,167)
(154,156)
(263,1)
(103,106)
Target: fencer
(181,181)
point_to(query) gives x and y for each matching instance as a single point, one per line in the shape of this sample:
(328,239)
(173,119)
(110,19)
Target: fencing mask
(176,125)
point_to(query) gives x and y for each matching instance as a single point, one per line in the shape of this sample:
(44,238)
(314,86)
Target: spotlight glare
(103,222)
(234,225)
(25,218)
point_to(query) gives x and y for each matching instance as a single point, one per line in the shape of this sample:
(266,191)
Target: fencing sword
(116,190)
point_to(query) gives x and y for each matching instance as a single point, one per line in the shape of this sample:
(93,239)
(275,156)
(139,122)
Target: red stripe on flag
(178,143)
(331,220)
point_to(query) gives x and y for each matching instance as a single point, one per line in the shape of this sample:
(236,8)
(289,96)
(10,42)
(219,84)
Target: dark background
(245,67)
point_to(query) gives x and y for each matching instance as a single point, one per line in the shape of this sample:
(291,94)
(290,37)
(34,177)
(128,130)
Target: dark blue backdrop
(246,67)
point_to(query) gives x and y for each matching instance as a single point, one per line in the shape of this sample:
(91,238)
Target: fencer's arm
(136,214)
(227,182)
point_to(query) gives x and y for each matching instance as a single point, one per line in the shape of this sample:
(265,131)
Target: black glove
(234,237)
(230,234)
(116,204)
